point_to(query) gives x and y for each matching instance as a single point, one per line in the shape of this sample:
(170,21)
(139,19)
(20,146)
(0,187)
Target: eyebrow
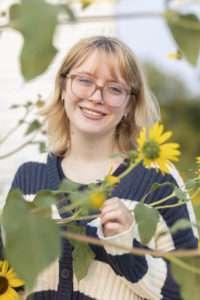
(92,75)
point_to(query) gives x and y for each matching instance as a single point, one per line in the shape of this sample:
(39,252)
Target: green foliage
(156,186)
(32,241)
(68,186)
(35,125)
(133,155)
(82,253)
(42,147)
(180,225)
(181,195)
(147,219)
(43,200)
(180,111)
(36,20)
(186,32)
(189,281)
(190,184)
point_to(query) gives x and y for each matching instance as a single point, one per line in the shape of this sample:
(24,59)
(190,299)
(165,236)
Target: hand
(115,217)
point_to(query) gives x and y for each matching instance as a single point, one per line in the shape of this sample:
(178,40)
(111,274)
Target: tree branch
(136,251)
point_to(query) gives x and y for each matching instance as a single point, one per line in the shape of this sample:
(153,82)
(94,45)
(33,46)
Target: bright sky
(150,38)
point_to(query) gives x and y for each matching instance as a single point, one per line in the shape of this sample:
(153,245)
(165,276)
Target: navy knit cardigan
(128,276)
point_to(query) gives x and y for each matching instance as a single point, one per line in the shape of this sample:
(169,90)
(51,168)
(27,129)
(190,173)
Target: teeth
(92,112)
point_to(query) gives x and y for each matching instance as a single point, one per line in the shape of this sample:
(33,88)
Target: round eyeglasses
(113,94)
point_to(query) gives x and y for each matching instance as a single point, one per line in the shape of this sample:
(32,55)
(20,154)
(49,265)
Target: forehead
(97,59)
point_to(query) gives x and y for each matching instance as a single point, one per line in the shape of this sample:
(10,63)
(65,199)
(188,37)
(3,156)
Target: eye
(115,89)
(84,80)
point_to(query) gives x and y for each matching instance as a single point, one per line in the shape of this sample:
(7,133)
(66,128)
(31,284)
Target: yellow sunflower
(153,151)
(8,282)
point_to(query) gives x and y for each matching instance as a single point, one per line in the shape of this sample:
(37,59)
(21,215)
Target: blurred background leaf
(186,31)
(180,112)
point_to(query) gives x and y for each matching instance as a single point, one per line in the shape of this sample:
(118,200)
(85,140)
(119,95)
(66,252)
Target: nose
(96,96)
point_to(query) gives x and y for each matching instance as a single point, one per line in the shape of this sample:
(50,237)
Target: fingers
(115,217)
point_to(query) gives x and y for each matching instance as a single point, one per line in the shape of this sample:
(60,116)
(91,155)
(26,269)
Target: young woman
(100,103)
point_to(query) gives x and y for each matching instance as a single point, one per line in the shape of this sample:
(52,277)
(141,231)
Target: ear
(63,94)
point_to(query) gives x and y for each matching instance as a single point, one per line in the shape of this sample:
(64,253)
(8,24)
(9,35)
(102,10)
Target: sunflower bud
(96,199)
(112,180)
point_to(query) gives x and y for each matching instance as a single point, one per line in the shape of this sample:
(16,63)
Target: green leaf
(157,186)
(68,186)
(32,241)
(14,15)
(79,198)
(190,183)
(35,125)
(36,20)
(21,121)
(82,253)
(92,186)
(42,147)
(14,106)
(181,195)
(133,155)
(37,24)
(66,8)
(83,211)
(44,199)
(28,104)
(15,194)
(147,219)
(186,32)
(189,281)
(180,225)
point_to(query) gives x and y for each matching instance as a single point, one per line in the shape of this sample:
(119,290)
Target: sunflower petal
(110,170)
(4,268)
(16,282)
(10,274)
(165,137)
(11,292)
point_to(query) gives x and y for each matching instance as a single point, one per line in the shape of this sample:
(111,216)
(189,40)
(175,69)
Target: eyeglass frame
(97,87)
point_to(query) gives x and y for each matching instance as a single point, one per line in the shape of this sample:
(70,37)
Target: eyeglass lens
(84,87)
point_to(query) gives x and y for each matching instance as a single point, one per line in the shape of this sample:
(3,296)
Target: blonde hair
(144,108)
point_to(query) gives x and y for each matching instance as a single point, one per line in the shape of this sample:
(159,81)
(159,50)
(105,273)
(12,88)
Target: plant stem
(79,218)
(169,206)
(68,208)
(184,265)
(162,200)
(136,251)
(132,166)
(29,142)
(15,127)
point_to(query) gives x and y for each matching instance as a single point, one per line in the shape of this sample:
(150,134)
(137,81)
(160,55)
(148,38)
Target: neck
(90,148)
(89,158)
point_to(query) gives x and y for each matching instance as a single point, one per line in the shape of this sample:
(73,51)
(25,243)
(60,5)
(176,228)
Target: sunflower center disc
(151,149)
(3,285)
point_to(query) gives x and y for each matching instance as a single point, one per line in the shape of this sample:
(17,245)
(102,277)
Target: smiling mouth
(92,113)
